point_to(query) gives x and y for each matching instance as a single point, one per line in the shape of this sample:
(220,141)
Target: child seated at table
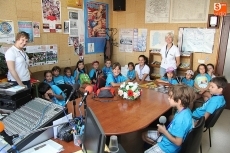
(131,74)
(217,100)
(52,93)
(58,79)
(210,68)
(107,68)
(188,78)
(68,78)
(94,72)
(115,78)
(169,77)
(48,77)
(165,140)
(201,84)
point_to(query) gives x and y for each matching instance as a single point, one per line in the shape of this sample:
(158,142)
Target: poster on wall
(36,29)
(27,27)
(97,22)
(75,3)
(73,23)
(139,40)
(7,32)
(126,40)
(51,15)
(157,39)
(42,54)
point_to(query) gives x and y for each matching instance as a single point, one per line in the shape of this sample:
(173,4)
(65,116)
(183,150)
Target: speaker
(119,5)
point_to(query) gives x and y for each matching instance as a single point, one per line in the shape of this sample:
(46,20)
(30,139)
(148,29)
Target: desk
(124,116)
(69,147)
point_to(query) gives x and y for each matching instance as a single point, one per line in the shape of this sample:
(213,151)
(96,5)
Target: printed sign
(220,9)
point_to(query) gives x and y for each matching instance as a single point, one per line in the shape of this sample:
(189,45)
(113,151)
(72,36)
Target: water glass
(113,144)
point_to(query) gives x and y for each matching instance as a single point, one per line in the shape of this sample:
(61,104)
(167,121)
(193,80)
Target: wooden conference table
(119,116)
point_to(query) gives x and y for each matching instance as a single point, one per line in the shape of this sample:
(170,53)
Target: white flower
(120,92)
(130,83)
(125,95)
(127,87)
(135,84)
(122,85)
(134,88)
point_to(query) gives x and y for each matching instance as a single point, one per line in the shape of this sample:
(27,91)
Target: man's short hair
(43,88)
(183,93)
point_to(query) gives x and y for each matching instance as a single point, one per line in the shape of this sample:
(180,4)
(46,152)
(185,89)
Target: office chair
(211,121)
(66,89)
(192,142)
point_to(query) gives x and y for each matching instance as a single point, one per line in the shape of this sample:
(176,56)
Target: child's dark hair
(132,64)
(116,64)
(78,62)
(174,75)
(220,81)
(43,88)
(107,59)
(205,67)
(145,58)
(183,93)
(56,68)
(47,71)
(210,64)
(66,69)
(95,62)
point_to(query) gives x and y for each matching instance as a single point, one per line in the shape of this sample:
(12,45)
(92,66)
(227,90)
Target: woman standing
(142,69)
(170,55)
(18,62)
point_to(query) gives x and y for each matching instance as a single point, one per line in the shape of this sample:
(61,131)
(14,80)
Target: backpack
(3,65)
(101,81)
(84,79)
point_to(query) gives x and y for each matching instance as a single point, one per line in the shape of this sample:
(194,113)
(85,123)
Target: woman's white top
(169,57)
(21,63)
(142,71)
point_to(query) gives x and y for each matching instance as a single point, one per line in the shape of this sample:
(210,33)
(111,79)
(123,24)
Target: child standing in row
(58,79)
(131,74)
(107,68)
(68,78)
(188,78)
(169,77)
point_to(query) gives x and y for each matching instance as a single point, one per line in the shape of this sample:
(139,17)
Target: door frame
(223,45)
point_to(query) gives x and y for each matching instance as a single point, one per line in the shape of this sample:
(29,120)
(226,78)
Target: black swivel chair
(211,121)
(192,142)
(66,89)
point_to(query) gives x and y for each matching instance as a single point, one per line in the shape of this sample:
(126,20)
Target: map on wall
(157,11)
(157,38)
(196,39)
(195,11)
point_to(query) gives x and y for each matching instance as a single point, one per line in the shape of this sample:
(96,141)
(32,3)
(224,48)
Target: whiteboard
(196,40)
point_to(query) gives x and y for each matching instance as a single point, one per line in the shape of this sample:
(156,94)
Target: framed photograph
(213,21)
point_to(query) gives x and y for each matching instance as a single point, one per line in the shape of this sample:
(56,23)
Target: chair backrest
(211,121)
(192,141)
(66,89)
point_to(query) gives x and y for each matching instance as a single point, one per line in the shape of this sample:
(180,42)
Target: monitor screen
(94,137)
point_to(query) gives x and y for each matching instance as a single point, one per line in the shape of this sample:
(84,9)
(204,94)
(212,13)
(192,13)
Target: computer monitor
(94,136)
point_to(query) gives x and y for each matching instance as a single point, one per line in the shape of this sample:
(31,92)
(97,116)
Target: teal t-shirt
(117,79)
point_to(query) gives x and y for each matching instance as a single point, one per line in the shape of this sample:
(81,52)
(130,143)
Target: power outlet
(201,61)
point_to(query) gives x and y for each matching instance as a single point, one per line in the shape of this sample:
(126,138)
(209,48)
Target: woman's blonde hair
(170,34)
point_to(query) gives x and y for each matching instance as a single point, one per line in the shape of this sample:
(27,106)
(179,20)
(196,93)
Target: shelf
(154,53)
(154,65)
(184,69)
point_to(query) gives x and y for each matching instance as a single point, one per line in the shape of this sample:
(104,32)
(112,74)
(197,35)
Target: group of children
(169,139)
(181,95)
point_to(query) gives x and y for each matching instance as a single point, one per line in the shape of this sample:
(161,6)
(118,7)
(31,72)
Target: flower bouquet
(129,90)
